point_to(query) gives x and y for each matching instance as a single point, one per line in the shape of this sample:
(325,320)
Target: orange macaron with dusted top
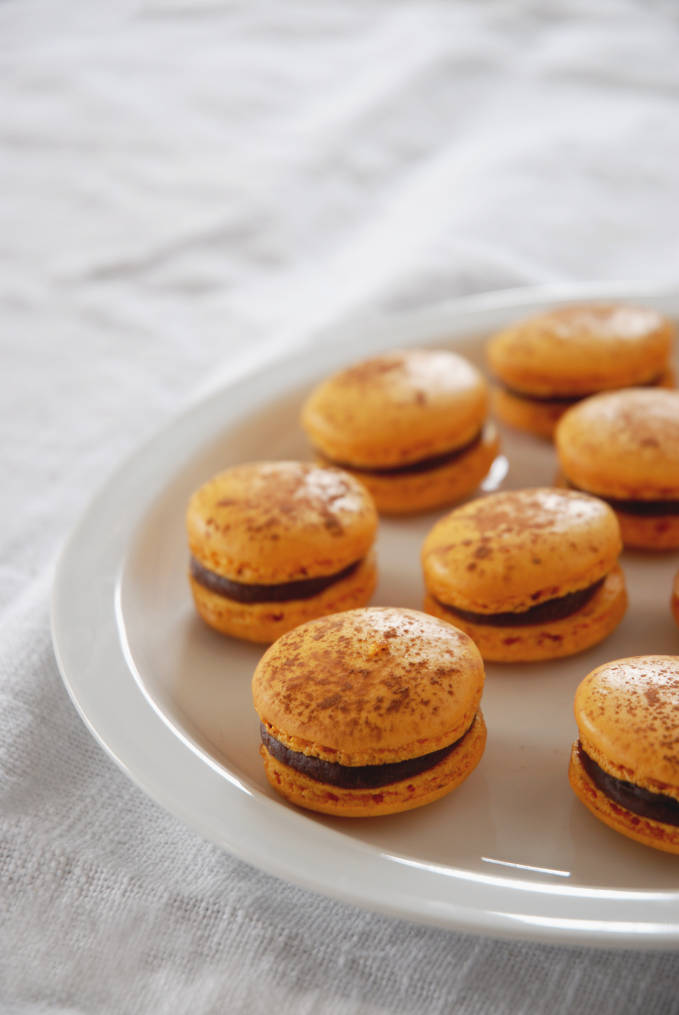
(545,364)
(410,424)
(370,712)
(274,544)
(625,764)
(623,447)
(528,574)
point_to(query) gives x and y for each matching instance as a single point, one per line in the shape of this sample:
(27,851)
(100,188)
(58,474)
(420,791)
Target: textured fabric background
(182,181)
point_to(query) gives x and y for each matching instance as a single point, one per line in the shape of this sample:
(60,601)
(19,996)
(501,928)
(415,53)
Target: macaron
(545,364)
(625,764)
(410,424)
(624,447)
(674,600)
(274,544)
(369,712)
(528,574)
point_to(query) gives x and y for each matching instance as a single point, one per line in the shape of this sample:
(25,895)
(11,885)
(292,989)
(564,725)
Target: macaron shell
(515,549)
(369,686)
(642,533)
(627,713)
(580,349)
(539,418)
(674,600)
(553,640)
(623,444)
(398,796)
(396,408)
(447,484)
(269,522)
(651,833)
(265,622)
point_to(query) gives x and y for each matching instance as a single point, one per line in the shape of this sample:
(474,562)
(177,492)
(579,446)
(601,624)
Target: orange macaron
(274,544)
(369,712)
(623,446)
(625,764)
(528,574)
(410,424)
(543,365)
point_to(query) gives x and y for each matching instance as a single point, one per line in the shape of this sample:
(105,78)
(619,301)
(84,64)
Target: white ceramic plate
(509,853)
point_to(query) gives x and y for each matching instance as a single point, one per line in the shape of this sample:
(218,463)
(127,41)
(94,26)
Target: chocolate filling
(552,609)
(643,508)
(564,400)
(242,592)
(643,802)
(350,776)
(422,465)
(567,400)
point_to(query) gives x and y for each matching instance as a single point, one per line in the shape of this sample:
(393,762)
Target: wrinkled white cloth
(182,181)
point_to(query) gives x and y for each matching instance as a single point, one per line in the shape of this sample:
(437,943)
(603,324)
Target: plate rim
(484,904)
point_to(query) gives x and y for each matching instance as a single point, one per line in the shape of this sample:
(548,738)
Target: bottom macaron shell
(638,532)
(649,533)
(398,796)
(674,601)
(264,622)
(537,417)
(419,491)
(644,830)
(540,416)
(552,640)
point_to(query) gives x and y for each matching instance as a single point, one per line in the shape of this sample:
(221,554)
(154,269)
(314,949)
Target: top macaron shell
(268,522)
(623,444)
(512,550)
(369,686)
(397,408)
(627,713)
(579,350)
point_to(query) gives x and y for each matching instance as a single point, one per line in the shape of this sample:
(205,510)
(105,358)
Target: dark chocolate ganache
(551,609)
(422,465)
(354,776)
(243,592)
(645,803)
(567,400)
(643,508)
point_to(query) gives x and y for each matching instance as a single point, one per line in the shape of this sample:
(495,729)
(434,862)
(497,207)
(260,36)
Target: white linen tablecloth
(182,181)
